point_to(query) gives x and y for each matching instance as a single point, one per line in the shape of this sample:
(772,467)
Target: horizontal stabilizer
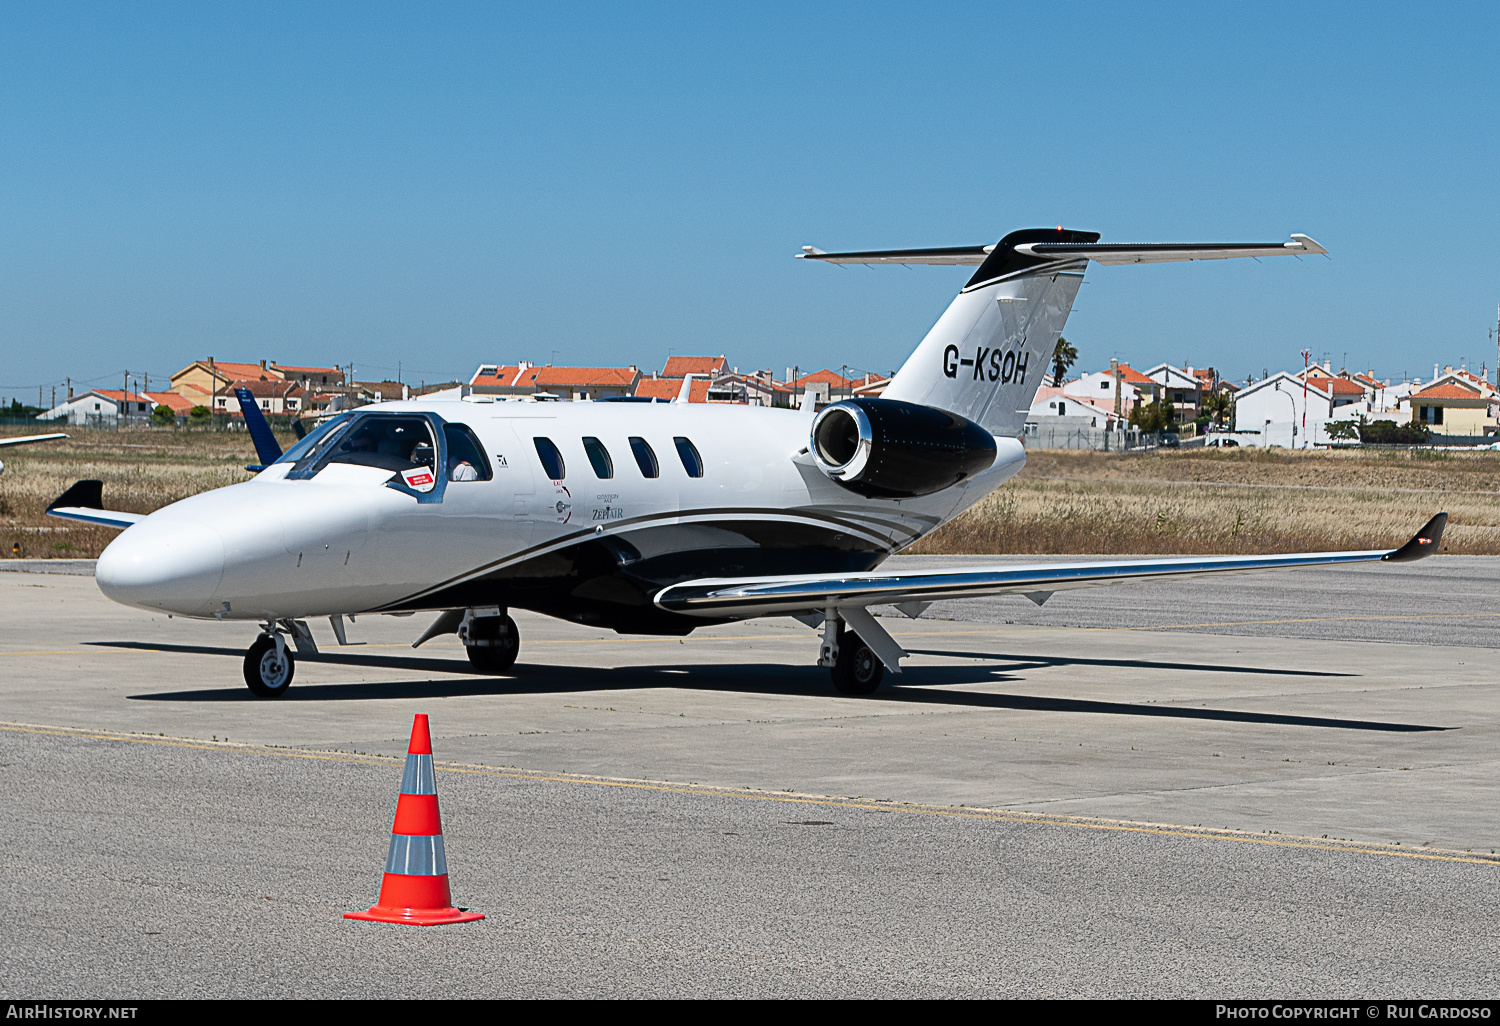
(762,596)
(967,256)
(84,502)
(1099,252)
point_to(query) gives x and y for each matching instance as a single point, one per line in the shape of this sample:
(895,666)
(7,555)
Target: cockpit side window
(385,442)
(466,459)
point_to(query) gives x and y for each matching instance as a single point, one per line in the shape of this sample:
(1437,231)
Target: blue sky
(446,184)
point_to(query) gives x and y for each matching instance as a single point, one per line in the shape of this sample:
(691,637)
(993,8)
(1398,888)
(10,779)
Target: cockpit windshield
(315,438)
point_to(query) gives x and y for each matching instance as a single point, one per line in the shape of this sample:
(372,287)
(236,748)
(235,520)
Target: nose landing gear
(269,666)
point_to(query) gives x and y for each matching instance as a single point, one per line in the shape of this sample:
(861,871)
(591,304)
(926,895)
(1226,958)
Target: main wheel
(268,674)
(858,670)
(499,642)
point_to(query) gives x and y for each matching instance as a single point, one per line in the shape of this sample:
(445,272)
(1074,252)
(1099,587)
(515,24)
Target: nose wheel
(492,643)
(269,667)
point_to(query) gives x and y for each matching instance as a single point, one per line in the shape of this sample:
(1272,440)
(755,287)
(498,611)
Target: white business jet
(652,518)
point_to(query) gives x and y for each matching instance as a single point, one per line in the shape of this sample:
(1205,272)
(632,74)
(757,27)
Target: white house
(1052,402)
(101,406)
(1179,387)
(1271,412)
(1098,387)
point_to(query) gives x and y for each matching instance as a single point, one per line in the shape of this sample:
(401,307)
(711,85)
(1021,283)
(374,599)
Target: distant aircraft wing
(813,593)
(1099,252)
(267,449)
(28,439)
(84,501)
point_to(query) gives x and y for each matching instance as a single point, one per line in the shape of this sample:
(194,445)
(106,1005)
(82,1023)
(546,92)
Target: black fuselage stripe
(560,543)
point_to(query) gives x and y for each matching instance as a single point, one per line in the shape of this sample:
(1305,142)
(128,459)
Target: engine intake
(885,448)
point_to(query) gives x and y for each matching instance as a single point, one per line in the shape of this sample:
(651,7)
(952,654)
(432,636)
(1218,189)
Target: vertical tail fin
(267,450)
(985,357)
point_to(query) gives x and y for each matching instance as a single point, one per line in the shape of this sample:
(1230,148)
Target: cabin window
(466,459)
(645,457)
(552,461)
(599,457)
(691,461)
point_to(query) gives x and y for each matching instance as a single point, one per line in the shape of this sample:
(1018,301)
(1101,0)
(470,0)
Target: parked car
(1170,441)
(1220,442)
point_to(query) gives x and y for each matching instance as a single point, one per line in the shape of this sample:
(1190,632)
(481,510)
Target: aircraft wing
(1099,252)
(28,439)
(815,593)
(84,501)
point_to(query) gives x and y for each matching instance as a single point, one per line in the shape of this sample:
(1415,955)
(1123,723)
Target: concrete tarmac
(1380,754)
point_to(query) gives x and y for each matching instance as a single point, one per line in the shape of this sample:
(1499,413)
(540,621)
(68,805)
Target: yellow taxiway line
(790,798)
(1019,629)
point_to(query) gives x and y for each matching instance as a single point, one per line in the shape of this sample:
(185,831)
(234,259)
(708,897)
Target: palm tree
(1063,357)
(1219,406)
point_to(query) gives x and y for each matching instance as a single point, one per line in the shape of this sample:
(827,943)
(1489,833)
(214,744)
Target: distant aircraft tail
(985,357)
(267,450)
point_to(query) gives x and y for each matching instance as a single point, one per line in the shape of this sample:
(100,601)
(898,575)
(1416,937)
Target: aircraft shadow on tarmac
(923,684)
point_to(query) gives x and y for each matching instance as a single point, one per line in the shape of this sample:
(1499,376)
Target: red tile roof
(681,366)
(177,403)
(336,371)
(1343,386)
(667,388)
(239,370)
(826,376)
(1450,390)
(584,377)
(118,395)
(1130,376)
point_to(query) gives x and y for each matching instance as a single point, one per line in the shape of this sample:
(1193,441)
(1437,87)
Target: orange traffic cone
(415,887)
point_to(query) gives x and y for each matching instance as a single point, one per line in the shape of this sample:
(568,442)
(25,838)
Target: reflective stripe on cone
(414,889)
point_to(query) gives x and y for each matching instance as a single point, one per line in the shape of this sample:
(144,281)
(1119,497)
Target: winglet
(81,495)
(1307,244)
(267,450)
(1422,544)
(84,502)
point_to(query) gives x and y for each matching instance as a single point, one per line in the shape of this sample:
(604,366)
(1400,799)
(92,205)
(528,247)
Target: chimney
(262,365)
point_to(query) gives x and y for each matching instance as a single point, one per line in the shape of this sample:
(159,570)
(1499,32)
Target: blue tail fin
(266,448)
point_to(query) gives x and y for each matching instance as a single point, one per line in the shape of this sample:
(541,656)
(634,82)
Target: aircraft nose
(173,565)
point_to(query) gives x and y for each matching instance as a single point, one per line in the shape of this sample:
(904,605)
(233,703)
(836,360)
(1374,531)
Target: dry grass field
(142,469)
(1236,501)
(1190,501)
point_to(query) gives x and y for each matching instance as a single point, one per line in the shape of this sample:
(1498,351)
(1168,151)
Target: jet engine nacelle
(885,448)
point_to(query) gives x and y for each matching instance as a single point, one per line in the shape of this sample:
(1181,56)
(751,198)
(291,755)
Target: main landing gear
(855,667)
(492,641)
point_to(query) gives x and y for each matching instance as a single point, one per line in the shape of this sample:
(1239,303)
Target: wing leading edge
(814,593)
